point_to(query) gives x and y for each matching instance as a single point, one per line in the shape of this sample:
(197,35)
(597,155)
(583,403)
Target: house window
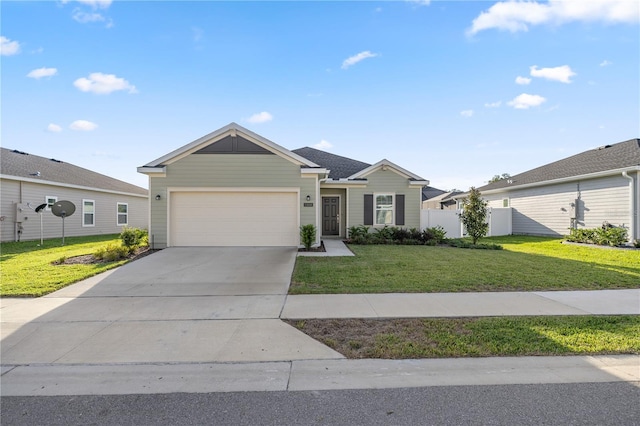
(384,209)
(505,202)
(88,213)
(50,201)
(123,214)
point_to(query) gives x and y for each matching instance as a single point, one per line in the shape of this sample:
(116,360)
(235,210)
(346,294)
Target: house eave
(385,165)
(344,183)
(418,183)
(153,171)
(69,185)
(595,175)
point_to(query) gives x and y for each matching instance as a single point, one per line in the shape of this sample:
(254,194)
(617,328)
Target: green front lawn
(477,337)
(525,264)
(27,268)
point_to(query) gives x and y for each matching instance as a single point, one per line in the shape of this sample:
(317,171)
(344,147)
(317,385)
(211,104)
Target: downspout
(632,212)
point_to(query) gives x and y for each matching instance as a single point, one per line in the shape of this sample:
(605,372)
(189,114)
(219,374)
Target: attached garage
(234,218)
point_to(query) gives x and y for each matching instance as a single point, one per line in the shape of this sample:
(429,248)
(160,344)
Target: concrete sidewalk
(415,305)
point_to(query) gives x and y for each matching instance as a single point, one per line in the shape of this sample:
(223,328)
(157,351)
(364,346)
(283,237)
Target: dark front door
(330,215)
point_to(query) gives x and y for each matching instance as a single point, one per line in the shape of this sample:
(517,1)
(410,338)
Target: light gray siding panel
(105,212)
(9,194)
(386,182)
(228,171)
(547,210)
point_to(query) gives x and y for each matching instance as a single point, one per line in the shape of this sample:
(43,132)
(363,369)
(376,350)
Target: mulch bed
(89,259)
(318,249)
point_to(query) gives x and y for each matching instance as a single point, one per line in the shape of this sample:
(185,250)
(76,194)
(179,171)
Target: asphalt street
(544,404)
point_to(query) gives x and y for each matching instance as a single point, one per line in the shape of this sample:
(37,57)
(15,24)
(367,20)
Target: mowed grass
(525,264)
(26,268)
(477,337)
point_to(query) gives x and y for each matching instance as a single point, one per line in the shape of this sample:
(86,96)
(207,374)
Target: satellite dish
(63,208)
(41,207)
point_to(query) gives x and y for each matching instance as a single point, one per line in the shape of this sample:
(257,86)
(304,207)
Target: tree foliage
(496,178)
(474,215)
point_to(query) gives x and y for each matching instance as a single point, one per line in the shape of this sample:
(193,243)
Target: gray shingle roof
(20,164)
(429,192)
(609,157)
(340,167)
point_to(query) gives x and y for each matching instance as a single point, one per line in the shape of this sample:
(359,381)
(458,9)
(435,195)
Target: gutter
(632,212)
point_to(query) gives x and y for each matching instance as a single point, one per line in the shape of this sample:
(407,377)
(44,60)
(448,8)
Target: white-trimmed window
(88,213)
(383,209)
(50,200)
(123,214)
(505,202)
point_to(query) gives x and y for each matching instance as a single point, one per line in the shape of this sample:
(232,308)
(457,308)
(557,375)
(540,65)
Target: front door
(330,215)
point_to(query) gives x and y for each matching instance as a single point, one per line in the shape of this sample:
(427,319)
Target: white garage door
(234,219)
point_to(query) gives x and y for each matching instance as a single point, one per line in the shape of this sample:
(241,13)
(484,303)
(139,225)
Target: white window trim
(118,214)
(393,208)
(94,213)
(508,202)
(46,200)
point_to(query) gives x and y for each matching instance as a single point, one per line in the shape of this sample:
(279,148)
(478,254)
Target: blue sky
(453,91)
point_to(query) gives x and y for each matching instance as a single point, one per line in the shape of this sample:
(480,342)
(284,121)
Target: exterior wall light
(308,198)
(158,197)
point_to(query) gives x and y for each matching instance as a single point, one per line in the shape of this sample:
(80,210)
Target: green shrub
(606,235)
(307,235)
(474,215)
(358,231)
(132,238)
(112,252)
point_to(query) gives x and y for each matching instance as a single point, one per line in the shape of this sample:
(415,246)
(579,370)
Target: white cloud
(95,4)
(467,113)
(352,60)
(54,128)
(493,104)
(519,16)
(103,84)
(261,117)
(526,101)
(323,145)
(8,47)
(83,125)
(605,63)
(42,72)
(562,74)
(523,80)
(420,2)
(86,17)
(198,34)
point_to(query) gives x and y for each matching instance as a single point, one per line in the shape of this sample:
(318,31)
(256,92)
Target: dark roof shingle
(20,164)
(340,167)
(608,157)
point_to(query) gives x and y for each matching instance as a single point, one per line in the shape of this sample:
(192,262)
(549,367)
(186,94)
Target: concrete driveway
(177,305)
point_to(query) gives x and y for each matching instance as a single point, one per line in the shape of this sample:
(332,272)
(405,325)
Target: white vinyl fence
(499,220)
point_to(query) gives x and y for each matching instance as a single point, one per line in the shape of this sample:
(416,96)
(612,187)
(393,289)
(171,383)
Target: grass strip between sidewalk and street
(476,337)
(526,264)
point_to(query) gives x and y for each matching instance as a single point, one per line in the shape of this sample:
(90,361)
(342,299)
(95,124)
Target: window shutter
(368,209)
(400,209)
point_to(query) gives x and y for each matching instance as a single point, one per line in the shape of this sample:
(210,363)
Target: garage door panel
(234,219)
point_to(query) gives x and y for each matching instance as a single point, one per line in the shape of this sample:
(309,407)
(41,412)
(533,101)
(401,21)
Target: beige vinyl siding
(105,211)
(386,182)
(227,171)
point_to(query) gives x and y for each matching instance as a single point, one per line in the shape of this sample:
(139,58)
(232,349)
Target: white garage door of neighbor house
(234,219)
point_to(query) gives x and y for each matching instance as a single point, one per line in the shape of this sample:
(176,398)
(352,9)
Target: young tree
(474,215)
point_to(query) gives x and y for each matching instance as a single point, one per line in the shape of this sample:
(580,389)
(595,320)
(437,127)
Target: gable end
(233,145)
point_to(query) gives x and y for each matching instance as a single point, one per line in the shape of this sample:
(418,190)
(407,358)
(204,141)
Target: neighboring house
(582,191)
(233,187)
(103,204)
(443,201)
